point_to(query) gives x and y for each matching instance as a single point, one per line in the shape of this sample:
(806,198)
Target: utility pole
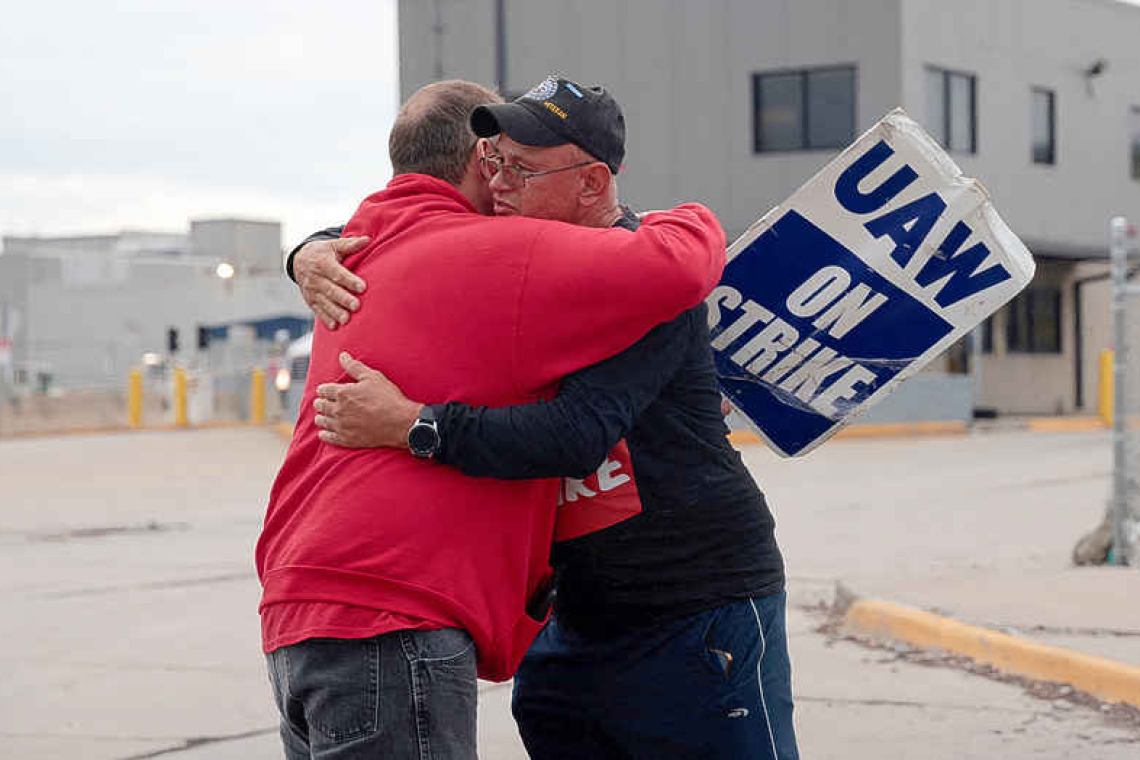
(437,30)
(501,47)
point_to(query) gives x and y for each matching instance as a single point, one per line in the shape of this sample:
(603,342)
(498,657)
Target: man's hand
(370,413)
(325,284)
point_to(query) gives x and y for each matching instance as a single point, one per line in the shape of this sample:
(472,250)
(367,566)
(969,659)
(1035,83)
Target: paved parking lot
(130,625)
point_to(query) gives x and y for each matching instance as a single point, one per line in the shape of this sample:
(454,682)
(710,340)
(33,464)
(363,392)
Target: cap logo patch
(554,110)
(570,86)
(543,90)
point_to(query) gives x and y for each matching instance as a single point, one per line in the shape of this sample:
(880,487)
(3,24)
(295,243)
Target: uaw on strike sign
(870,270)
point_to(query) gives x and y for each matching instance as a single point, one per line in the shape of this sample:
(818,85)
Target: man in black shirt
(668,636)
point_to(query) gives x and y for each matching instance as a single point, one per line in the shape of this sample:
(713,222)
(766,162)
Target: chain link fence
(71,385)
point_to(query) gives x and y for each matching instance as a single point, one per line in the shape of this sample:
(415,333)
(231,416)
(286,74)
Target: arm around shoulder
(589,293)
(328,233)
(687,254)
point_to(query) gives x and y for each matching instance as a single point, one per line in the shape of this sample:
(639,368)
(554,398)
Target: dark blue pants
(712,685)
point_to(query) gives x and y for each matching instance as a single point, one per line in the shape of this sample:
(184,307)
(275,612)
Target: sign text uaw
(866,273)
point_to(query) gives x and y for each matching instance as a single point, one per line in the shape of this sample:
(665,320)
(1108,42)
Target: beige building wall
(682,70)
(1025,383)
(1030,383)
(1096,329)
(1013,46)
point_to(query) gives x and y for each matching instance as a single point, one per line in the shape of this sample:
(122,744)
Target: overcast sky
(146,114)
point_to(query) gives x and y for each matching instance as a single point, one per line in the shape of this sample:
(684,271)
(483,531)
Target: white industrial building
(80,312)
(737,102)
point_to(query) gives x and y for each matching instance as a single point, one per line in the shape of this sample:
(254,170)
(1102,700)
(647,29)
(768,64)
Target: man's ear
(596,180)
(477,152)
(474,166)
(484,147)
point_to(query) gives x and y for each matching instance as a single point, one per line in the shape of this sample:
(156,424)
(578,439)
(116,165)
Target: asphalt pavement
(130,626)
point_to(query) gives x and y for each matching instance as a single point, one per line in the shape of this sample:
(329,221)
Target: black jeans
(406,695)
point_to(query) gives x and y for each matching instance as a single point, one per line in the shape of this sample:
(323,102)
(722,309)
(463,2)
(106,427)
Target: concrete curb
(1083,424)
(886,430)
(1065,424)
(736,437)
(107,429)
(895,429)
(1106,679)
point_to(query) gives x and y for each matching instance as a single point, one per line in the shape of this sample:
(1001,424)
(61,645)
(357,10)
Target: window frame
(947,114)
(1052,95)
(803,72)
(1022,306)
(1134,141)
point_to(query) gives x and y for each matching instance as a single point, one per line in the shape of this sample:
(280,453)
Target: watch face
(423,440)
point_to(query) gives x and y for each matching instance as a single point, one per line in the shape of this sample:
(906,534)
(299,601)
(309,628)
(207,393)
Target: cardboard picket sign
(874,267)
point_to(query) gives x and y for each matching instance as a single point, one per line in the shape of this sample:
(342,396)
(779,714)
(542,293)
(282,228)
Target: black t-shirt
(705,535)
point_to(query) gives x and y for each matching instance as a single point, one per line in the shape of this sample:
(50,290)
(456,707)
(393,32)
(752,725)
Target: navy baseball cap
(557,111)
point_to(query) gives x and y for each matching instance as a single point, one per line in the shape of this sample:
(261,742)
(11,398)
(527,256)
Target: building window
(1044,115)
(1033,322)
(1134,128)
(808,109)
(951,100)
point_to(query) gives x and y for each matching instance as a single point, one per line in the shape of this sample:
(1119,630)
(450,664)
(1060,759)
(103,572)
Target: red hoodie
(460,307)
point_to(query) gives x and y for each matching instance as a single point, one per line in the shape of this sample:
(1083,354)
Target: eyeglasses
(514,175)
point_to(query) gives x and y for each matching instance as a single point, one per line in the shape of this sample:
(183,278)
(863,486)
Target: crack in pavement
(1062,630)
(1119,715)
(1044,482)
(101,531)
(151,586)
(1034,714)
(223,670)
(84,737)
(199,741)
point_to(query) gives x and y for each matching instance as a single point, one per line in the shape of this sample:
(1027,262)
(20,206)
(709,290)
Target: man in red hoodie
(390,581)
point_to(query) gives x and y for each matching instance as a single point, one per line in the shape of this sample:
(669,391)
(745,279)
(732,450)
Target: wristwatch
(423,435)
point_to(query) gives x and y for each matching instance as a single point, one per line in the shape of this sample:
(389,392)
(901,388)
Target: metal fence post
(257,397)
(1121,406)
(1105,390)
(135,398)
(180,417)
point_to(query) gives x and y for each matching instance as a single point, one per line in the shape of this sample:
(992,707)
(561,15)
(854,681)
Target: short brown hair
(432,134)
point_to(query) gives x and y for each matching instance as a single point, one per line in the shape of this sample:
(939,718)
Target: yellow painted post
(180,418)
(257,397)
(1107,357)
(134,398)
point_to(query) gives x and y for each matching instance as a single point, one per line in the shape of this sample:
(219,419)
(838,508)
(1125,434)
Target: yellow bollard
(1107,357)
(180,418)
(134,398)
(257,397)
